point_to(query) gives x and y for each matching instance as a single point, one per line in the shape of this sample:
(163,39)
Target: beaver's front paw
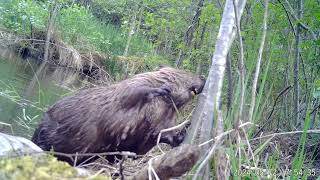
(161,91)
(174,138)
(179,137)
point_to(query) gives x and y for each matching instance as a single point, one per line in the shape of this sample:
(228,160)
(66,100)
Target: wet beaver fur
(126,116)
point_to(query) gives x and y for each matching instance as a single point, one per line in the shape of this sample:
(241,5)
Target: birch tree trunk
(131,30)
(256,75)
(209,100)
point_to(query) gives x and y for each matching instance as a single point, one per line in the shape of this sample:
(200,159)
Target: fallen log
(172,164)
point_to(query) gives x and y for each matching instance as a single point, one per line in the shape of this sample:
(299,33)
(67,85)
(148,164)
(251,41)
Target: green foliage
(81,29)
(77,24)
(21,16)
(133,65)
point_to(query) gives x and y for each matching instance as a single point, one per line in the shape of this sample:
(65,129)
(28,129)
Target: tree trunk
(209,100)
(198,45)
(256,76)
(296,65)
(241,64)
(230,83)
(51,21)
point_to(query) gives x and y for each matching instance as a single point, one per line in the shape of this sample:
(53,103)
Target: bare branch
(256,76)
(284,91)
(314,131)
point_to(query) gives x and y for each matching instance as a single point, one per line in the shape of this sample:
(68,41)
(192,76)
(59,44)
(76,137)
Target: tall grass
(80,28)
(267,160)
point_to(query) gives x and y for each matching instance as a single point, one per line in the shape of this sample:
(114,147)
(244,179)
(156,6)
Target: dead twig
(151,170)
(285,90)
(174,163)
(313,131)
(121,168)
(124,153)
(212,150)
(179,126)
(224,133)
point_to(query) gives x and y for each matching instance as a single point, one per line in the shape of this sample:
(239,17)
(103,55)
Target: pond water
(27,90)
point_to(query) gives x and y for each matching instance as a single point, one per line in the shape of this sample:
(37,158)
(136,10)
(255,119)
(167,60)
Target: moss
(39,168)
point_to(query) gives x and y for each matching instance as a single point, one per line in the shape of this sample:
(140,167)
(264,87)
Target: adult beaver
(126,116)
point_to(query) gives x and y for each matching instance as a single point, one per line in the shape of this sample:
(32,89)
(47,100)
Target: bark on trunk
(230,83)
(296,65)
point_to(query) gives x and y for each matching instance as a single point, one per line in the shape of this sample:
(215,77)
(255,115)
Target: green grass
(80,28)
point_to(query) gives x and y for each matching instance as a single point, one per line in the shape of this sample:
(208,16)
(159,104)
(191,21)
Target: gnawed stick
(172,164)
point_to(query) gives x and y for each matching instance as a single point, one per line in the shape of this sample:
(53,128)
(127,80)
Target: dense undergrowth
(75,25)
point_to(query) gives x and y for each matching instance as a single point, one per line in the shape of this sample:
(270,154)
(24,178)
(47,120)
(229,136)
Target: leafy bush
(21,16)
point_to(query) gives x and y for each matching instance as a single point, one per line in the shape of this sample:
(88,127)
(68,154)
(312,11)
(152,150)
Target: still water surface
(24,96)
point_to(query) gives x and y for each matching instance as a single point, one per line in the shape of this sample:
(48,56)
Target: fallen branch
(172,164)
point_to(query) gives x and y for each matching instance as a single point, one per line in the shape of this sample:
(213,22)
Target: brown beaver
(126,116)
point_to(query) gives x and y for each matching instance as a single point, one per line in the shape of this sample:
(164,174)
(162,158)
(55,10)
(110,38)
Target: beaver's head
(184,85)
